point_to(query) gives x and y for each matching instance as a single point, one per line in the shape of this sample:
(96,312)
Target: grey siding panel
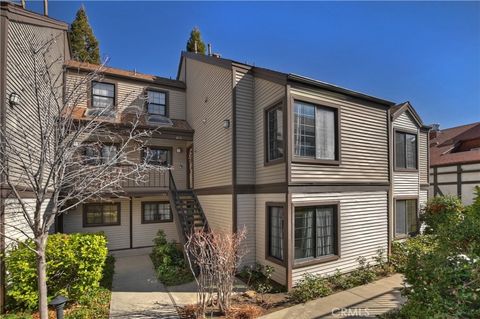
(280,272)
(209,103)
(218,210)
(405,183)
(266,93)
(246,218)
(118,236)
(245,127)
(423,158)
(406,122)
(363,145)
(364,223)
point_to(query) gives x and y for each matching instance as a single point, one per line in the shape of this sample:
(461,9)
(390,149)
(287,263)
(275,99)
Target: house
(455,161)
(318,175)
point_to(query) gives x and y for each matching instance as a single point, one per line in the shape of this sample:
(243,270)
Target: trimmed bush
(310,287)
(75,264)
(169,262)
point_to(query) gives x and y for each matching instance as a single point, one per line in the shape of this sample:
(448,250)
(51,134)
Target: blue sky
(424,52)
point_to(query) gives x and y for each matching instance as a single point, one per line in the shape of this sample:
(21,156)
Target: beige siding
(128,94)
(245,127)
(143,234)
(363,145)
(468,193)
(218,210)
(209,103)
(118,236)
(246,218)
(406,122)
(266,93)
(422,157)
(279,274)
(423,198)
(363,222)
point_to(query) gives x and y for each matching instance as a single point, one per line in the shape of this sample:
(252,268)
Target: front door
(190,166)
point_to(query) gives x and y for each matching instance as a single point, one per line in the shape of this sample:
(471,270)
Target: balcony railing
(152,179)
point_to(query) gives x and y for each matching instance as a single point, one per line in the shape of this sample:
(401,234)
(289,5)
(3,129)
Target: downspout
(131,220)
(391,183)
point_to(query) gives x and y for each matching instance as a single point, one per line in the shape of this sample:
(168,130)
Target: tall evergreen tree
(82,40)
(196,37)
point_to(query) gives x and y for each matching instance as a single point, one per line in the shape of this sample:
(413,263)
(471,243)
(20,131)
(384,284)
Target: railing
(150,179)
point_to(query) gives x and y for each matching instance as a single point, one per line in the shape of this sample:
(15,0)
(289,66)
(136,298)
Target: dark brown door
(190,167)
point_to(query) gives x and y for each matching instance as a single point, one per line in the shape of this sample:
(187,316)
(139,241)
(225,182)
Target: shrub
(340,281)
(74,267)
(310,287)
(401,249)
(441,210)
(363,274)
(169,262)
(245,312)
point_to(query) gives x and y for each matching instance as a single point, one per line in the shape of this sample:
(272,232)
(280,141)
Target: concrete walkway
(136,291)
(360,302)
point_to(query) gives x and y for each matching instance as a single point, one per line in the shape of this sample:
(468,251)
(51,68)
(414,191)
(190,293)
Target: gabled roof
(444,144)
(132,75)
(397,110)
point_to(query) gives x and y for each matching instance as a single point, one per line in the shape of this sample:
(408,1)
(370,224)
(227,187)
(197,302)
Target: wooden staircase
(189,215)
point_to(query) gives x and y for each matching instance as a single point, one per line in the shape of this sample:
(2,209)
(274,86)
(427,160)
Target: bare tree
(217,256)
(57,155)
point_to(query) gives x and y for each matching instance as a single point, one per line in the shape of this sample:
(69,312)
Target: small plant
(245,312)
(382,266)
(364,273)
(310,287)
(340,281)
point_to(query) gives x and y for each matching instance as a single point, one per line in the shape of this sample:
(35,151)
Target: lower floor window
(406,221)
(275,232)
(316,231)
(156,212)
(102,214)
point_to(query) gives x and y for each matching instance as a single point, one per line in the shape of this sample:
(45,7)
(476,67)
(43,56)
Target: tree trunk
(42,276)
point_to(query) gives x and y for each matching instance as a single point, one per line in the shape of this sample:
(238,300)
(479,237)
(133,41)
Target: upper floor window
(315,132)
(103,95)
(406,220)
(100,154)
(156,103)
(158,156)
(275,133)
(405,151)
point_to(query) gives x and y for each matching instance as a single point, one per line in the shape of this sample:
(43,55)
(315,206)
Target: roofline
(17,13)
(408,106)
(105,70)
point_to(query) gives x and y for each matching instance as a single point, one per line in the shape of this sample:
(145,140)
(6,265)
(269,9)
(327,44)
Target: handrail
(172,185)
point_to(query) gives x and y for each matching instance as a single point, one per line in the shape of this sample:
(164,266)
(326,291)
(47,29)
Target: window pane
(102,214)
(158,156)
(149,211)
(102,102)
(275,133)
(156,212)
(156,109)
(276,232)
(304,126)
(156,103)
(110,214)
(325,133)
(400,217)
(411,150)
(164,212)
(304,238)
(94,214)
(400,150)
(325,231)
(412,216)
(103,89)
(109,153)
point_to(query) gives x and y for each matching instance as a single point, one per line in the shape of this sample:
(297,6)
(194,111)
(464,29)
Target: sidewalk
(365,301)
(136,291)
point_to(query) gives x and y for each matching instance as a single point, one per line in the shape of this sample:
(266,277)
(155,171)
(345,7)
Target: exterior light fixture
(226,123)
(59,303)
(179,149)
(14,99)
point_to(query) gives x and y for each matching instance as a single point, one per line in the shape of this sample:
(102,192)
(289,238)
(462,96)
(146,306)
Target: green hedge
(75,264)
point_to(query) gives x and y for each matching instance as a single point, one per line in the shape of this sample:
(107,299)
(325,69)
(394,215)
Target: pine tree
(196,37)
(82,40)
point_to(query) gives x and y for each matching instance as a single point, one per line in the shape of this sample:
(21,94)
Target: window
(101,214)
(103,95)
(275,133)
(406,222)
(315,132)
(275,231)
(156,212)
(158,156)
(156,103)
(316,232)
(100,154)
(405,151)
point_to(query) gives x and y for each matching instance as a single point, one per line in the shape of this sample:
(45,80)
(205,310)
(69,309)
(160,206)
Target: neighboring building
(319,175)
(455,161)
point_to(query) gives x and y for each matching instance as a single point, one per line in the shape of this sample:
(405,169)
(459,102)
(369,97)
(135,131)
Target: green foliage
(444,276)
(341,281)
(195,37)
(441,210)
(259,278)
(401,250)
(363,274)
(83,43)
(310,287)
(74,268)
(169,262)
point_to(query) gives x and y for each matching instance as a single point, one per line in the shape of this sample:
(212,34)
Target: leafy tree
(196,37)
(82,40)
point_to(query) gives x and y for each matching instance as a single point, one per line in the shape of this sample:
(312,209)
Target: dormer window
(156,103)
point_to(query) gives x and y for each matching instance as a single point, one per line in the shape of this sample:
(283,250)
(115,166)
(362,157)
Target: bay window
(274,133)
(405,151)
